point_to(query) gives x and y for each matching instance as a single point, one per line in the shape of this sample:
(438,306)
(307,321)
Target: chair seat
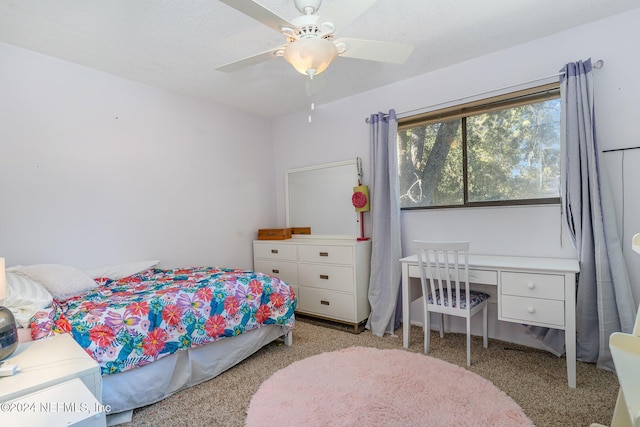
(475,297)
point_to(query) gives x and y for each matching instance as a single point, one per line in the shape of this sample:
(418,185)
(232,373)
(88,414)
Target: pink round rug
(362,386)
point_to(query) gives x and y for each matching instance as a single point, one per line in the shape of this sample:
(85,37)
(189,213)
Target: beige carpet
(535,380)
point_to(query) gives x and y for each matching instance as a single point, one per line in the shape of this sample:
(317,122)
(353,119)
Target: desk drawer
(334,277)
(532,311)
(287,271)
(549,286)
(326,254)
(326,303)
(273,250)
(483,277)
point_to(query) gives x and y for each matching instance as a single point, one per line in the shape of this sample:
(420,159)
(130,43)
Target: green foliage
(512,154)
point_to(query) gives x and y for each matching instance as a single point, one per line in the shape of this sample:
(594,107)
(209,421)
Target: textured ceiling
(176,44)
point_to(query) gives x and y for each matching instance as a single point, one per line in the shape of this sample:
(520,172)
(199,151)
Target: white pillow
(118,271)
(62,281)
(25,297)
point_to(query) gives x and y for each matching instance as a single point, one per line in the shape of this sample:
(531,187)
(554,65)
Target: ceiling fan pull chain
(313,107)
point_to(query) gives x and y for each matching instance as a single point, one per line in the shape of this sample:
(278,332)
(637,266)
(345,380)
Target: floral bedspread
(133,321)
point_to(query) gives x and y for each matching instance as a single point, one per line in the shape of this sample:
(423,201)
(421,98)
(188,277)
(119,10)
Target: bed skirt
(151,383)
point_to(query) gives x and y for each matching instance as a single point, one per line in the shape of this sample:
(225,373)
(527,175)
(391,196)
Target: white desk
(533,291)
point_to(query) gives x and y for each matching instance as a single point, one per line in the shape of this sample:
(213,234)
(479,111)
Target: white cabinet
(49,361)
(330,276)
(68,404)
(57,383)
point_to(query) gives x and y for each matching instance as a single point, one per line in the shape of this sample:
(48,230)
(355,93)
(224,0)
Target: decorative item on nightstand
(8,329)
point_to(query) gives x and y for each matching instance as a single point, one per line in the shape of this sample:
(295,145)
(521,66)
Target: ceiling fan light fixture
(310,56)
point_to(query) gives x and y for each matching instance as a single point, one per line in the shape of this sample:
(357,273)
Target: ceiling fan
(310,44)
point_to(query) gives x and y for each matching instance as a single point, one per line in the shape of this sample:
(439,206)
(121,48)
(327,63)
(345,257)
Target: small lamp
(310,56)
(8,329)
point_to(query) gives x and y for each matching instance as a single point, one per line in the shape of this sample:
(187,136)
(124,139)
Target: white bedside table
(66,404)
(47,362)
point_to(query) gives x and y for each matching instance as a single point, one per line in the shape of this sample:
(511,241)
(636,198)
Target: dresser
(329,276)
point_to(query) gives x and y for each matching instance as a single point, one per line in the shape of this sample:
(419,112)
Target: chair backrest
(444,266)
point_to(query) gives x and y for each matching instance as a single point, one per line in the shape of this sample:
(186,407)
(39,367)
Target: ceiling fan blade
(342,13)
(395,53)
(259,13)
(251,60)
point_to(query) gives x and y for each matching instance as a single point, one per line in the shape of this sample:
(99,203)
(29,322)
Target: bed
(158,331)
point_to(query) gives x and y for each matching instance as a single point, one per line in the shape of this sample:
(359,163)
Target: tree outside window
(498,153)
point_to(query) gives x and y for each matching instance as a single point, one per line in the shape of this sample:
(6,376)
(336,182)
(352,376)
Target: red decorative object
(359,199)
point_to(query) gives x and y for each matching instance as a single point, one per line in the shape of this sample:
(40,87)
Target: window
(500,151)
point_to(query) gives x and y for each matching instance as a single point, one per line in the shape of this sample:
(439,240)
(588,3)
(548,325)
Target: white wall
(95,169)
(338,131)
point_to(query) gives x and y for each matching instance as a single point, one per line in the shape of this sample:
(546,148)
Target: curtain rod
(597,64)
(620,149)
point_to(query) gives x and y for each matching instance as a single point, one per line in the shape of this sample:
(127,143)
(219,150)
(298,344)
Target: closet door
(623,170)
(631,212)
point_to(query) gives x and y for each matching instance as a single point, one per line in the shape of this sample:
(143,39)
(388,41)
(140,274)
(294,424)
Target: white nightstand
(66,404)
(47,362)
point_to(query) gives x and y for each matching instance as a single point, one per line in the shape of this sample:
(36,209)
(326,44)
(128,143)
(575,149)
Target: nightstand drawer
(326,254)
(332,277)
(65,404)
(326,303)
(549,286)
(272,250)
(532,311)
(287,271)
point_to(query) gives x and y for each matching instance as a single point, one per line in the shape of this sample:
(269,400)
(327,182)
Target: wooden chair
(444,274)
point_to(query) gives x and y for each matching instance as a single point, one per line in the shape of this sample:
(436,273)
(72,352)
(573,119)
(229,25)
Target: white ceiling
(176,44)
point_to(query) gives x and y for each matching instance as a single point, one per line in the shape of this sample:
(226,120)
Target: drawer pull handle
(531,310)
(275,271)
(324,276)
(274,251)
(531,285)
(324,253)
(324,302)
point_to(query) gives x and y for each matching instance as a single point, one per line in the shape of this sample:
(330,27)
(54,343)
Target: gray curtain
(604,302)
(386,250)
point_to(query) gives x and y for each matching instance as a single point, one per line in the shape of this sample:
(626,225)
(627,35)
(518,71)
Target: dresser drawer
(329,276)
(326,254)
(275,251)
(483,277)
(327,303)
(333,277)
(549,286)
(287,271)
(532,311)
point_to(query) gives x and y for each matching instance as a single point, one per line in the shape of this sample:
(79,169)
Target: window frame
(462,111)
